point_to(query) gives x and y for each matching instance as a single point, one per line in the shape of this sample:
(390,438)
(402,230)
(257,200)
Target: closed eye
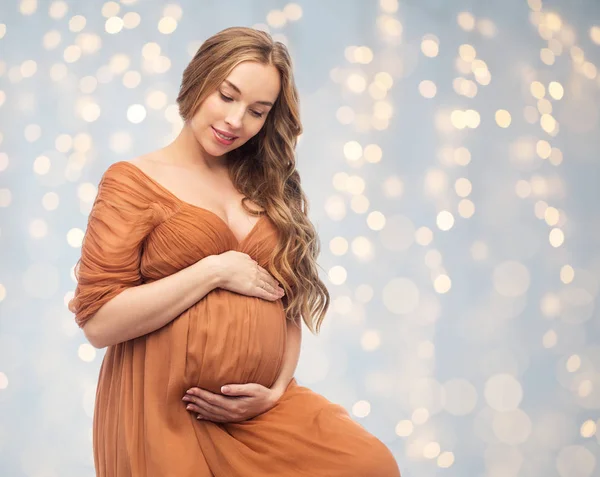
(227,99)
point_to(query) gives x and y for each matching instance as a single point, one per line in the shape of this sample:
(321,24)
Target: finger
(269,278)
(212,412)
(206,417)
(193,408)
(193,390)
(207,413)
(267,294)
(240,389)
(267,287)
(200,405)
(202,395)
(264,290)
(271,286)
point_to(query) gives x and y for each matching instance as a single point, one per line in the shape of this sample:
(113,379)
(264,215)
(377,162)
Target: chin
(212,149)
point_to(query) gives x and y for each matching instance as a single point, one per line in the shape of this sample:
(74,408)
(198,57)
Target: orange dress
(138,232)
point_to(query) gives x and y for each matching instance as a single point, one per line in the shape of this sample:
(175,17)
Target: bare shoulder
(147,163)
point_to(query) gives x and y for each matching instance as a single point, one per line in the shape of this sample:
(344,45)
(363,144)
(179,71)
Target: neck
(186,151)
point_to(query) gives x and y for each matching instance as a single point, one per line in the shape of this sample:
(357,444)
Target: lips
(225,133)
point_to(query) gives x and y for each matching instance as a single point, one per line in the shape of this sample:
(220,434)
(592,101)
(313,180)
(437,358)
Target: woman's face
(237,110)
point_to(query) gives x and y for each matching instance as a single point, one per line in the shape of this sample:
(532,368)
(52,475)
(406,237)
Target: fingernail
(199,418)
(188,407)
(225,389)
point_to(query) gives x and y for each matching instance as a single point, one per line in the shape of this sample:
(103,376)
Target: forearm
(145,308)
(290,358)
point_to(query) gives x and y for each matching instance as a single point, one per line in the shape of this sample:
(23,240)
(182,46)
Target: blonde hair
(264,168)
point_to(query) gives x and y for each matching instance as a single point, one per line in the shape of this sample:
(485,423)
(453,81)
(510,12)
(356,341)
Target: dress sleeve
(121,218)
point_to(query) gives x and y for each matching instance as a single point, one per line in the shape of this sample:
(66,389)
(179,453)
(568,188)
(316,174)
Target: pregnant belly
(234,339)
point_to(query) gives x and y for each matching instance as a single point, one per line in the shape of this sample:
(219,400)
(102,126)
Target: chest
(214,195)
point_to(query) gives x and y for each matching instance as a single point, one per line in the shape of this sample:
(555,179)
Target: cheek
(253,130)
(206,113)
(214,106)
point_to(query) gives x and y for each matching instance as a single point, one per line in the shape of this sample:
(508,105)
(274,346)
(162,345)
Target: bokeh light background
(451,158)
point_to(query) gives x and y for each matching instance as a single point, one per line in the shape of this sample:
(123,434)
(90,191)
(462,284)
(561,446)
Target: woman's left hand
(240,402)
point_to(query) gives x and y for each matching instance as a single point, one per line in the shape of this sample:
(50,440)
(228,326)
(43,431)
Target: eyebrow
(266,103)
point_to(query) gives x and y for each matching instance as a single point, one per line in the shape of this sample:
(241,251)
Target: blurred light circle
(75,237)
(376,220)
(86,352)
(364,293)
(511,279)
(361,409)
(3,161)
(423,236)
(353,150)
(404,428)
(338,246)
(58,9)
(401,296)
(445,459)
(50,201)
(131,20)
(362,248)
(427,89)
(113,25)
(38,228)
(370,340)
(460,397)
(41,165)
(503,118)
(503,392)
(337,275)
(393,187)
(420,416)
(512,427)
(173,10)
(431,450)
(136,113)
(293,11)
(445,220)
(442,284)
(335,207)
(110,9)
(588,428)
(575,461)
(372,153)
(436,182)
(466,208)
(167,25)
(556,237)
(77,23)
(32,132)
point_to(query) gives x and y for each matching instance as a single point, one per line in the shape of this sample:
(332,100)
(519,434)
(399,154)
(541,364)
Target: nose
(234,117)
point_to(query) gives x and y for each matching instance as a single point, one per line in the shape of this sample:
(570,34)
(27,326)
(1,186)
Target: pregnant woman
(197,267)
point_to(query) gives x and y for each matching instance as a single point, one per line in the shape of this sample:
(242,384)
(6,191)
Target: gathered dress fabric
(139,232)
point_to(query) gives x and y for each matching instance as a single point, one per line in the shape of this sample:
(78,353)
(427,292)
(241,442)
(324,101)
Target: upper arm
(121,218)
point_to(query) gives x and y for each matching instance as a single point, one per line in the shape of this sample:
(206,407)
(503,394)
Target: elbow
(92,335)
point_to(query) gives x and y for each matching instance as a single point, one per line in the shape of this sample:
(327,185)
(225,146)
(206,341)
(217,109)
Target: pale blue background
(508,327)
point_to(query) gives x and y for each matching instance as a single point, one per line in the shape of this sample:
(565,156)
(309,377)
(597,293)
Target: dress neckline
(204,210)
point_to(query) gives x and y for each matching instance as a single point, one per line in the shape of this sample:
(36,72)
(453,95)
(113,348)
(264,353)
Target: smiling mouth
(224,136)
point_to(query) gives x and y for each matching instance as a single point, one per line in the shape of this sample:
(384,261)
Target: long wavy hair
(264,168)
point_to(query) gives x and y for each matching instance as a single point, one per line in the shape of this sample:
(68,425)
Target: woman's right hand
(241,274)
